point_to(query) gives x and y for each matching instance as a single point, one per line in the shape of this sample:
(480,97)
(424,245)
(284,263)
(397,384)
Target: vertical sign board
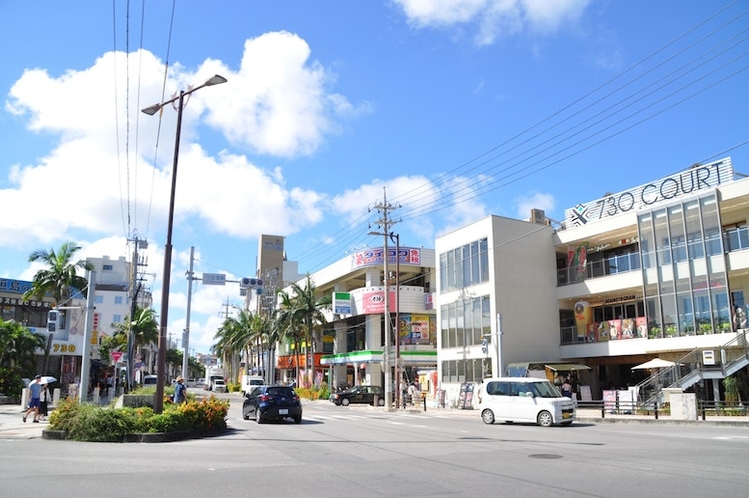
(342,303)
(708,357)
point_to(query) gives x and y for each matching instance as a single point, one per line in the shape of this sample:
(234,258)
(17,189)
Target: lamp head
(215,80)
(151,110)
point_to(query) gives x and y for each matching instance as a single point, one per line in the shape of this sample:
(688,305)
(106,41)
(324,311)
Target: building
(349,349)
(658,270)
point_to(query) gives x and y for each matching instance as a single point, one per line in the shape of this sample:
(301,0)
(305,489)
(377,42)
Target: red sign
(96,321)
(116,356)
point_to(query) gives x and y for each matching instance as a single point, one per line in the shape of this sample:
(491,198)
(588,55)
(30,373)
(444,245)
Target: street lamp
(158,402)
(388,335)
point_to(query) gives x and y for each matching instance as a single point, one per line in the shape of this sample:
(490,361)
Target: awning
(566,367)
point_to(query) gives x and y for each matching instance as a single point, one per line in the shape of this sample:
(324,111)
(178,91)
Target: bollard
(603,411)
(655,409)
(425,402)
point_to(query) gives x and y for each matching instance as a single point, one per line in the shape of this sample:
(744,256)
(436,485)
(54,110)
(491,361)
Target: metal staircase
(691,368)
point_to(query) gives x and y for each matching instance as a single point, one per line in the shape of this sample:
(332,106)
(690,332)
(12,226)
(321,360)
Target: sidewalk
(13,427)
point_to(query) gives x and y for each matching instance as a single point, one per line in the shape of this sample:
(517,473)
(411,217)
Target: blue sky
(459,109)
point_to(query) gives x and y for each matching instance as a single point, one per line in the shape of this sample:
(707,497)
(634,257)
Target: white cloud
(494,18)
(276,103)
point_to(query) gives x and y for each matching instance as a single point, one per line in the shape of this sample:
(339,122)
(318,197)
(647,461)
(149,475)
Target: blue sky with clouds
(459,109)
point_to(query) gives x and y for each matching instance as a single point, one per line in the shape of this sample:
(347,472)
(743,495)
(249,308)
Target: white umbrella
(47,379)
(654,363)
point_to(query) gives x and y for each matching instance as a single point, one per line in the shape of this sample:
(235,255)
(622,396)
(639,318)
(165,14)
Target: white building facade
(657,270)
(349,350)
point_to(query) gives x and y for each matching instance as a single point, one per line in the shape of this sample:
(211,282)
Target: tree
(302,310)
(60,277)
(144,328)
(17,359)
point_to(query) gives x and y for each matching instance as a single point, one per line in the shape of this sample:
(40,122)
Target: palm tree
(234,337)
(142,330)
(144,327)
(302,310)
(60,278)
(17,345)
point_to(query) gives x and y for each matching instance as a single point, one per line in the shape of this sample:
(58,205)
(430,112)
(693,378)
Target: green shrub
(205,416)
(87,422)
(101,425)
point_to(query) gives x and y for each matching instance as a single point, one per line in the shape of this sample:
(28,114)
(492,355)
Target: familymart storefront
(366,367)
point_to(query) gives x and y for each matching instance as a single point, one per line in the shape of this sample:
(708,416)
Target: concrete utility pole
(85,360)
(186,332)
(385,223)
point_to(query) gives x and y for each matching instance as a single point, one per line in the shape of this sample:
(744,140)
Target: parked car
(524,399)
(219,386)
(359,394)
(272,403)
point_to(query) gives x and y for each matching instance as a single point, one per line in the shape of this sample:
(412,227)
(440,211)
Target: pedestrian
(567,389)
(413,392)
(180,391)
(35,390)
(44,403)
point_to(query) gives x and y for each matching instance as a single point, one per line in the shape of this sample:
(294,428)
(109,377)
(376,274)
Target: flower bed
(87,422)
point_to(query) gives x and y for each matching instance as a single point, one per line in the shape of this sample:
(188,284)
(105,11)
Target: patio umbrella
(654,363)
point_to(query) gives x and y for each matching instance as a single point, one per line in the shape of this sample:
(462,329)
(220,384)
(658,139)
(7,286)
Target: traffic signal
(484,346)
(53,320)
(252,283)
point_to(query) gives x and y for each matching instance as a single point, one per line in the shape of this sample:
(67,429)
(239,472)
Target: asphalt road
(363,451)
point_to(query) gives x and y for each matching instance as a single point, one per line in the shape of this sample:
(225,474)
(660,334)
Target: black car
(272,403)
(359,394)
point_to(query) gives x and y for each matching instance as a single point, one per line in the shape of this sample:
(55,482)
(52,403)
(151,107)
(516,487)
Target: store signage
(374,257)
(690,181)
(342,303)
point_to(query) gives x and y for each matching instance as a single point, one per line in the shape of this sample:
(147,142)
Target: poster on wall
(420,329)
(404,330)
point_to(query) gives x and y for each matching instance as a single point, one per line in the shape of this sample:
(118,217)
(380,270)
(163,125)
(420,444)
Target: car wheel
(345,401)
(487,416)
(245,416)
(298,420)
(544,419)
(381,402)
(258,418)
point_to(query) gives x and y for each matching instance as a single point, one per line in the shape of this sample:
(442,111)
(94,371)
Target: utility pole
(186,332)
(134,290)
(85,360)
(384,223)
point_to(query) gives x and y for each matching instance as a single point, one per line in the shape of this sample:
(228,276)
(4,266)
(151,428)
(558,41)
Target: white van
(524,399)
(251,381)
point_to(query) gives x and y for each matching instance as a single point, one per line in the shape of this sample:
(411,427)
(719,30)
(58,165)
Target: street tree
(17,356)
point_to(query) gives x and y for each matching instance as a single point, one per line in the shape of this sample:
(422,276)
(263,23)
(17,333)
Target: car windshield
(546,390)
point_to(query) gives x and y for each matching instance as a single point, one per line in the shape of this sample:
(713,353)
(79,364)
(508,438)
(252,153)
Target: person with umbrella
(43,401)
(35,390)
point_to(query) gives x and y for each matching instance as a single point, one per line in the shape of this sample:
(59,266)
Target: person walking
(35,390)
(180,391)
(43,403)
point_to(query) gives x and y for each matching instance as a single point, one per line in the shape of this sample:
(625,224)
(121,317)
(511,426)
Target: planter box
(137,400)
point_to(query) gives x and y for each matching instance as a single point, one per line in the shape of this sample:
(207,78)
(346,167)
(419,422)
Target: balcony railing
(601,268)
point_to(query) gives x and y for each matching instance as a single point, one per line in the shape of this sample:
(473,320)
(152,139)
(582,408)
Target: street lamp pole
(158,402)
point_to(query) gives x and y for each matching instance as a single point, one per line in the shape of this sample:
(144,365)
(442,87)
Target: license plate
(283,411)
